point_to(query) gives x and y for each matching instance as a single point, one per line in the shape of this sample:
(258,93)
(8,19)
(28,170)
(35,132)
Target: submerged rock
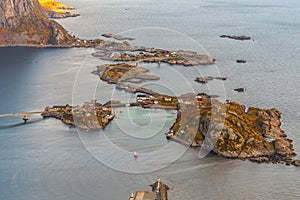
(205,79)
(241,61)
(239,89)
(234,37)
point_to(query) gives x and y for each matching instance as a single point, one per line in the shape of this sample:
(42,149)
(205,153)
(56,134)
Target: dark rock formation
(204,80)
(296,163)
(241,61)
(239,89)
(234,37)
(116,37)
(25,23)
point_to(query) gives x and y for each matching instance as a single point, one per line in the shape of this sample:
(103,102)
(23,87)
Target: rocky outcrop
(232,131)
(205,79)
(234,37)
(116,37)
(296,163)
(239,89)
(241,61)
(122,72)
(252,134)
(25,23)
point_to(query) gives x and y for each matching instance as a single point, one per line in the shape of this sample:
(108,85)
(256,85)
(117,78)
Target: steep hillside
(24,22)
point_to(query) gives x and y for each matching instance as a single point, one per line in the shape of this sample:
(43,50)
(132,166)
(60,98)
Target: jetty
(159,192)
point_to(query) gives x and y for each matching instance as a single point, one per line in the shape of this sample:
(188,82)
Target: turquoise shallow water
(48,160)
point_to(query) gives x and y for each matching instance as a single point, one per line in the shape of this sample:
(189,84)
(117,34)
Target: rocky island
(232,130)
(153,55)
(91,116)
(116,37)
(235,37)
(122,72)
(205,80)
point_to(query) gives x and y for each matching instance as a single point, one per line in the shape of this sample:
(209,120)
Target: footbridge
(23,114)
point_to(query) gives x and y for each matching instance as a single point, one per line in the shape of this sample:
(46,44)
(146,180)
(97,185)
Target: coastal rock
(205,80)
(239,89)
(91,116)
(123,72)
(56,15)
(25,22)
(116,37)
(232,131)
(296,163)
(234,37)
(57,10)
(241,61)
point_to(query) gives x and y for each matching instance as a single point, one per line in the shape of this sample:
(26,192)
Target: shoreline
(57,10)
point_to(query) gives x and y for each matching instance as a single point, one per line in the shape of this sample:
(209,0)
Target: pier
(23,114)
(159,192)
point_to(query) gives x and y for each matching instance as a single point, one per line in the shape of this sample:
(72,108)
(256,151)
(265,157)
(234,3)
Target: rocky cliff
(25,22)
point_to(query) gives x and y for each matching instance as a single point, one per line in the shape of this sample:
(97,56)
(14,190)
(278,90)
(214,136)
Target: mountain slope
(24,22)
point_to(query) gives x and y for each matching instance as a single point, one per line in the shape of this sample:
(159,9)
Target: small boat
(135,154)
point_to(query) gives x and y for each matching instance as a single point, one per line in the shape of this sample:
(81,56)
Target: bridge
(23,114)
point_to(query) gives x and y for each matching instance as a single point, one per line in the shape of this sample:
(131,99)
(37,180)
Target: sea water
(46,159)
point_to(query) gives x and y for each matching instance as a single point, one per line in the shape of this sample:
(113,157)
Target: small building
(93,102)
(198,97)
(108,109)
(142,97)
(62,108)
(168,99)
(144,195)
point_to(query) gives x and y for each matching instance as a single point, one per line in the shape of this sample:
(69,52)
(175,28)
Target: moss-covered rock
(233,131)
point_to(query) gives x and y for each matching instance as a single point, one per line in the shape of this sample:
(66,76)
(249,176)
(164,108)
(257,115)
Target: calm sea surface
(46,159)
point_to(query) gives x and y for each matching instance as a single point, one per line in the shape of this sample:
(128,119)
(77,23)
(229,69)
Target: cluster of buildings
(145,99)
(104,112)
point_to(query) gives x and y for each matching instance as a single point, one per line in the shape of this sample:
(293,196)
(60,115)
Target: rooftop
(145,195)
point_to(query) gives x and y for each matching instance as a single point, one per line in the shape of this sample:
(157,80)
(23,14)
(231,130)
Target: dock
(159,192)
